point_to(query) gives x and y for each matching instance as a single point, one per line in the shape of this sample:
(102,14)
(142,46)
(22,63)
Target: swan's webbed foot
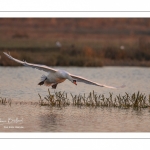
(54,86)
(41,83)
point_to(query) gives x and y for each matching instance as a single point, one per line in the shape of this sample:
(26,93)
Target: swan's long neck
(69,77)
(66,75)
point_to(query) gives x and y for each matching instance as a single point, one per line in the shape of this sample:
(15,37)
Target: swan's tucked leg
(54,86)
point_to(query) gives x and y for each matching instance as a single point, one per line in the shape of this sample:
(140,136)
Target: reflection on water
(73,119)
(20,84)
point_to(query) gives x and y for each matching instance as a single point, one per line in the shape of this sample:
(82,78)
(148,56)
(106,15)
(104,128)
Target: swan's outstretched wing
(81,79)
(40,67)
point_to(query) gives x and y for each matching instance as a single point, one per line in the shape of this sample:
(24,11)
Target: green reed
(136,100)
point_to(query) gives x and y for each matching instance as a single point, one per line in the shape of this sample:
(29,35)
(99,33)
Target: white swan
(56,76)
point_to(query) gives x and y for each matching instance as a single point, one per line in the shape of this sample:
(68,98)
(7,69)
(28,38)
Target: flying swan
(56,76)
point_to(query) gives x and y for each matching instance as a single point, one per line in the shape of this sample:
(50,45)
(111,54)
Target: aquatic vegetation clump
(61,99)
(56,99)
(4,101)
(136,100)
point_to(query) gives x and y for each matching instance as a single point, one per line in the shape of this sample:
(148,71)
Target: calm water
(20,84)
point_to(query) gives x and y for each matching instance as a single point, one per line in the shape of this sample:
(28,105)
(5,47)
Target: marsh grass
(57,99)
(4,101)
(136,100)
(62,99)
(9,102)
(104,42)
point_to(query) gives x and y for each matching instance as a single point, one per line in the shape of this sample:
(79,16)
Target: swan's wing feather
(81,79)
(36,66)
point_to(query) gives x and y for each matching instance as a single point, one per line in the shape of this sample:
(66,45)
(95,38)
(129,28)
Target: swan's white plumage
(40,67)
(81,79)
(57,76)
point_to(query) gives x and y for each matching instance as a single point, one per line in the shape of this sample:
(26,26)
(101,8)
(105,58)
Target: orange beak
(75,82)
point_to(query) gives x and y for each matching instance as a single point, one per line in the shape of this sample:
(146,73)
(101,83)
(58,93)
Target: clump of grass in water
(135,100)
(4,101)
(56,99)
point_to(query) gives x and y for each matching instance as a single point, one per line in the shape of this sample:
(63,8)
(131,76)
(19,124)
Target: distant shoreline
(62,58)
(87,42)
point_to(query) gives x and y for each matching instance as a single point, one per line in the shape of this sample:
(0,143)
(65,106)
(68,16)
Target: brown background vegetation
(85,41)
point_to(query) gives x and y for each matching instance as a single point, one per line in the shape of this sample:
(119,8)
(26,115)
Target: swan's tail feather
(43,78)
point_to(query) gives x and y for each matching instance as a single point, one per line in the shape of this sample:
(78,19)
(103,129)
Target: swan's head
(75,82)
